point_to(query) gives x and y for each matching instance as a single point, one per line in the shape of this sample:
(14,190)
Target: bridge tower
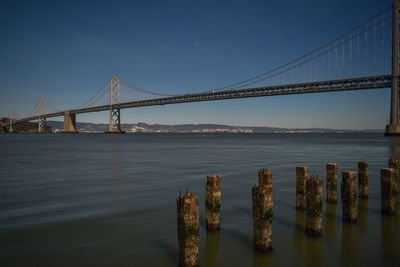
(12,117)
(393,128)
(115,117)
(42,111)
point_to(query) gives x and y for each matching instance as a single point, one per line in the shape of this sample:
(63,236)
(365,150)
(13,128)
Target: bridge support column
(42,119)
(393,128)
(115,115)
(69,123)
(12,118)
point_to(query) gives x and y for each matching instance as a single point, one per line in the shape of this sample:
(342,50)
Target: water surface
(101,200)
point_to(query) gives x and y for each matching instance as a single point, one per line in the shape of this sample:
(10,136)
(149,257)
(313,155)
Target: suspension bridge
(365,57)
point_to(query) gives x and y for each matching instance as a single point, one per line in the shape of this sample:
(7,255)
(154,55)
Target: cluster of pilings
(309,198)
(188,220)
(309,192)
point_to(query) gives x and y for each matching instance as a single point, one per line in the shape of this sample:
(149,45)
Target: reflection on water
(390,238)
(394,143)
(330,230)
(314,251)
(262,259)
(299,238)
(211,251)
(362,216)
(349,243)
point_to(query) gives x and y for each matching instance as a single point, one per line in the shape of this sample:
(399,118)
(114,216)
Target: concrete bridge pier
(69,123)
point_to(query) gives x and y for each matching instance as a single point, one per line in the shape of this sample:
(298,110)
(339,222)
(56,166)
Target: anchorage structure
(393,128)
(115,117)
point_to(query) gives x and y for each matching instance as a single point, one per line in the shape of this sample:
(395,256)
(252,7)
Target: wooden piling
(263,204)
(301,179)
(331,182)
(349,196)
(363,175)
(265,177)
(394,164)
(388,191)
(213,202)
(188,229)
(315,196)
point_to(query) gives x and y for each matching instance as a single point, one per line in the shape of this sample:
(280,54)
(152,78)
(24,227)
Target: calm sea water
(109,200)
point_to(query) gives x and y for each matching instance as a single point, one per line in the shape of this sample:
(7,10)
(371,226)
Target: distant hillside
(144,127)
(23,127)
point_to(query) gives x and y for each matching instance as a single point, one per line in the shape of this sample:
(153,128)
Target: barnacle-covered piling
(301,179)
(264,177)
(263,204)
(388,191)
(363,175)
(213,202)
(188,229)
(331,182)
(349,196)
(315,196)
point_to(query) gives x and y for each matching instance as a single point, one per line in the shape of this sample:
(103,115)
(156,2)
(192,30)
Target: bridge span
(373,82)
(349,62)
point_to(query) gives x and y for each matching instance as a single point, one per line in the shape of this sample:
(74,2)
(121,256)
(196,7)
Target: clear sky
(66,50)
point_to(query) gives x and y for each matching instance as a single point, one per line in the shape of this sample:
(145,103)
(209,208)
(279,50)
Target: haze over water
(110,200)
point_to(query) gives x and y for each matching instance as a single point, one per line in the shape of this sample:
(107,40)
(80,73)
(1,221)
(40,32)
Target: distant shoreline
(200,128)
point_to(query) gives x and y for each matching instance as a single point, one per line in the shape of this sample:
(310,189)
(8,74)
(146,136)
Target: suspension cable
(135,88)
(306,55)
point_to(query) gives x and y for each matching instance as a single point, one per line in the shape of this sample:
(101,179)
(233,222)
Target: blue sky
(66,50)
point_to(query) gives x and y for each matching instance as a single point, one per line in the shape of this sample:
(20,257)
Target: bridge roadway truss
(372,82)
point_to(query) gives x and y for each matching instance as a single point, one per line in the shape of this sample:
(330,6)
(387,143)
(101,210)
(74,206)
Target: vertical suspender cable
(323,67)
(374,47)
(351,59)
(328,65)
(366,50)
(336,60)
(383,47)
(343,59)
(358,52)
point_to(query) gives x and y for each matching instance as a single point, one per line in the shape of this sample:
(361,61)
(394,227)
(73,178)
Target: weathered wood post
(315,197)
(263,204)
(188,229)
(363,175)
(349,196)
(213,202)
(264,177)
(301,179)
(394,164)
(331,182)
(388,191)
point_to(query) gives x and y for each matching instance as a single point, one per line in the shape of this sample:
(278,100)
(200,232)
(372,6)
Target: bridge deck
(373,82)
